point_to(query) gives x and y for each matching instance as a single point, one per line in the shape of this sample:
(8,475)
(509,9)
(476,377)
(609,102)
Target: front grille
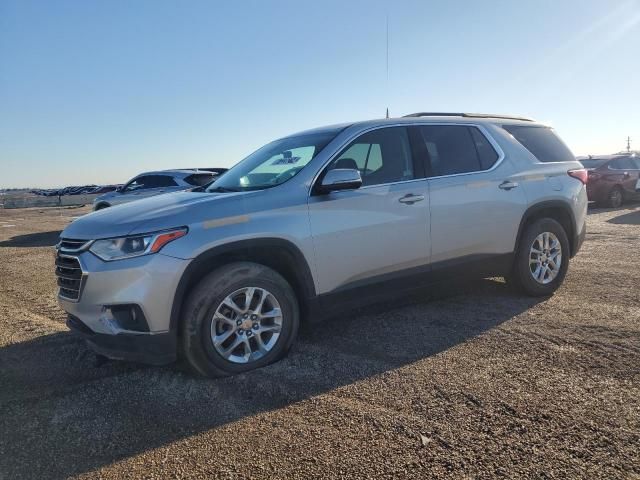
(70,276)
(71,245)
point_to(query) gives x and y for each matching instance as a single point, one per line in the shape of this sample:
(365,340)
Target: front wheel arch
(278,254)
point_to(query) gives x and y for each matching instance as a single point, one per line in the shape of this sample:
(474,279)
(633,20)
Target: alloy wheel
(246,325)
(545,258)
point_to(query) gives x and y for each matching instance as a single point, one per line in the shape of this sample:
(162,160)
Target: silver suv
(317,221)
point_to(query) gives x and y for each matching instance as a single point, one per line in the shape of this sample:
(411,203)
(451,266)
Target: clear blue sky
(97,91)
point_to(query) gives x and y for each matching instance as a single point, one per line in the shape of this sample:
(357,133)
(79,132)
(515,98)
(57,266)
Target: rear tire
(615,198)
(216,316)
(541,274)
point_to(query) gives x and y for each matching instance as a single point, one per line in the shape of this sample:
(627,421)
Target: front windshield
(273,164)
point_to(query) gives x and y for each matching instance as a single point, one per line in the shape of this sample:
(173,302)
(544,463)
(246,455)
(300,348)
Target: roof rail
(468,115)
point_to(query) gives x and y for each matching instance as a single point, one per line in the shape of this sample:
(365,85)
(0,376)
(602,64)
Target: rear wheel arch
(278,254)
(557,210)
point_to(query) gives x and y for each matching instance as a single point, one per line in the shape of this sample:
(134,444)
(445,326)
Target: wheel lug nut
(255,326)
(238,322)
(253,317)
(249,333)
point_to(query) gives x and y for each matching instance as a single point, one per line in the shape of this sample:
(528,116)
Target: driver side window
(382,156)
(136,184)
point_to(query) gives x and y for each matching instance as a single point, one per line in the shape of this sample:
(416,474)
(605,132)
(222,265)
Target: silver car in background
(318,221)
(149,184)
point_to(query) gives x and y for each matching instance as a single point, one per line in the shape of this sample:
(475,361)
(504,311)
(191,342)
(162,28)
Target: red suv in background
(613,179)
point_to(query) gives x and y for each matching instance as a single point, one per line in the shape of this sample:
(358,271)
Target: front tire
(240,317)
(542,258)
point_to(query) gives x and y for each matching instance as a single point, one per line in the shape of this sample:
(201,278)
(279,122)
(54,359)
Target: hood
(146,215)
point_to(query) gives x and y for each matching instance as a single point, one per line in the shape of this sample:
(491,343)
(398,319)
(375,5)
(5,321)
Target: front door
(381,230)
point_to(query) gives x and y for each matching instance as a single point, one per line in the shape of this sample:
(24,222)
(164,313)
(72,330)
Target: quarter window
(542,142)
(381,156)
(454,149)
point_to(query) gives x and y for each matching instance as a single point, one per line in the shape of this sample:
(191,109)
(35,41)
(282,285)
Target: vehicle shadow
(631,218)
(40,239)
(61,416)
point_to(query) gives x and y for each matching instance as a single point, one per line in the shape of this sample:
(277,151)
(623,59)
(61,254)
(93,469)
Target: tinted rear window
(542,142)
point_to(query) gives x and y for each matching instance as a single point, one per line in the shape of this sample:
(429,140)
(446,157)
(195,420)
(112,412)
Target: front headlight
(135,245)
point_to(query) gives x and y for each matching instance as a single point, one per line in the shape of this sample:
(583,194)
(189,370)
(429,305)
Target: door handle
(507,185)
(410,199)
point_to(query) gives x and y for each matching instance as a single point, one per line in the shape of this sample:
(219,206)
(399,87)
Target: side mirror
(340,179)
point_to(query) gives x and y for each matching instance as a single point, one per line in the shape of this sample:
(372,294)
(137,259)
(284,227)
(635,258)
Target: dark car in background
(149,184)
(613,179)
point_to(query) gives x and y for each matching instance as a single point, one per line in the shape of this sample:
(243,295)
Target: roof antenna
(387,86)
(628,144)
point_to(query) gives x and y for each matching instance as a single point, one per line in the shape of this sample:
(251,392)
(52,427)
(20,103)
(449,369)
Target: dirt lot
(474,382)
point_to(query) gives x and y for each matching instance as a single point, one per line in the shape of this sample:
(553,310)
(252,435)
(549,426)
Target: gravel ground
(473,382)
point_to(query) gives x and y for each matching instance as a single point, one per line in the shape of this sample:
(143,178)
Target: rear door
(476,205)
(381,230)
(626,172)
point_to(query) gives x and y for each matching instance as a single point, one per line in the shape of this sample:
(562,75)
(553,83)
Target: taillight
(580,173)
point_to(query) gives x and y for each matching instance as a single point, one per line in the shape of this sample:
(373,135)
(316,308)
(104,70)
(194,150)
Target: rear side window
(542,142)
(199,179)
(486,153)
(622,164)
(158,181)
(454,149)
(150,181)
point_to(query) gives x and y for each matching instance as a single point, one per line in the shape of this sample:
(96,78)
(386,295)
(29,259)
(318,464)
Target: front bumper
(152,349)
(148,282)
